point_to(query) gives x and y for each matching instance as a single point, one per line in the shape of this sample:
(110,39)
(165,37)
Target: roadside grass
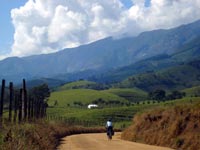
(42,135)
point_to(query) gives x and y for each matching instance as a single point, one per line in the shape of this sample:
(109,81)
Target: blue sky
(129,3)
(100,18)
(7,29)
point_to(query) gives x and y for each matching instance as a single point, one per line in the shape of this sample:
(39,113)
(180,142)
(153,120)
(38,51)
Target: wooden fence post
(20,106)
(45,109)
(32,108)
(2,101)
(39,110)
(35,108)
(29,108)
(11,99)
(24,100)
(16,106)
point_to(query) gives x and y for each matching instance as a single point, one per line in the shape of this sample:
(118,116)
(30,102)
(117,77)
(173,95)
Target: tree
(176,95)
(40,92)
(39,95)
(157,95)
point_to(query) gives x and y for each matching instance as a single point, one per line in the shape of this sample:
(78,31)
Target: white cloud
(47,26)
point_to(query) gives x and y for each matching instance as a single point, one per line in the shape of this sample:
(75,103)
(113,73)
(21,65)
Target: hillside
(72,99)
(72,104)
(133,95)
(187,52)
(83,97)
(105,54)
(76,85)
(192,92)
(177,127)
(174,78)
(49,81)
(81,84)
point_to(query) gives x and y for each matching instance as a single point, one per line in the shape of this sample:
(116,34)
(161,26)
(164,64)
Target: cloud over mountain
(48,26)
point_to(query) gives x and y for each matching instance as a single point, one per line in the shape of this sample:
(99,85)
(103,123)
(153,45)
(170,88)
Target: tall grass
(38,136)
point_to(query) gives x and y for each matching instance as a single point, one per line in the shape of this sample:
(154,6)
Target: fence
(21,107)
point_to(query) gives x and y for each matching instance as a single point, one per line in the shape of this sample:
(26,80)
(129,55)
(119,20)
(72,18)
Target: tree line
(161,95)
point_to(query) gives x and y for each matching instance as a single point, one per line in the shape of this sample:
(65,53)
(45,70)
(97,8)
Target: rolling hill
(192,92)
(132,94)
(173,78)
(77,85)
(82,84)
(83,97)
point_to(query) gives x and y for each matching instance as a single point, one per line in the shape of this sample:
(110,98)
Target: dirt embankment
(176,127)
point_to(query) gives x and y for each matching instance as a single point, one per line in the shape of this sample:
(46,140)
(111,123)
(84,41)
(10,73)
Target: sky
(7,28)
(30,27)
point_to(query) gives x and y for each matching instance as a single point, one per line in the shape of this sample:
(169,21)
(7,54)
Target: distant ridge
(101,55)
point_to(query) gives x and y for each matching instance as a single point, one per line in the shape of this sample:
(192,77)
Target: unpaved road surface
(100,142)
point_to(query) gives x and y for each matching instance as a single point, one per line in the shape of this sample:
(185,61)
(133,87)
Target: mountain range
(185,54)
(173,45)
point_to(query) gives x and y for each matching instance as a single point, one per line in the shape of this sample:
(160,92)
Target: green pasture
(131,94)
(121,113)
(192,92)
(85,96)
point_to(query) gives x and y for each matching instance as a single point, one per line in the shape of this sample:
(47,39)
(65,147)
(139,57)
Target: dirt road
(100,142)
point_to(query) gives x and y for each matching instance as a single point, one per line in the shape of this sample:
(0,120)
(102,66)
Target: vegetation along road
(100,142)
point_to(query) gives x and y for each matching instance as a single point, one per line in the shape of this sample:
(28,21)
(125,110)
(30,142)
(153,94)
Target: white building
(92,106)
